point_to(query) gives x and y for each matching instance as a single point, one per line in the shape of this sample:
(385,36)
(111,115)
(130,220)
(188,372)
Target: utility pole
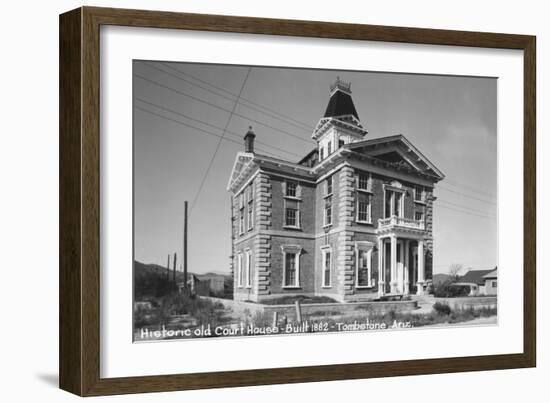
(168,269)
(174,272)
(185,247)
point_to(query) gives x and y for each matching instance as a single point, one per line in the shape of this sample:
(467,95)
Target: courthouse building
(352,220)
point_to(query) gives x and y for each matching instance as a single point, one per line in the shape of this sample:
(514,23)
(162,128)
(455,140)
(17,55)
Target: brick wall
(244,293)
(307,273)
(306,202)
(331,241)
(320,203)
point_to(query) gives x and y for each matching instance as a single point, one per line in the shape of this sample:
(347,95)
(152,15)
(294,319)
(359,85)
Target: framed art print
(280,201)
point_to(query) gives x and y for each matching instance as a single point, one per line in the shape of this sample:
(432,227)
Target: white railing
(395,221)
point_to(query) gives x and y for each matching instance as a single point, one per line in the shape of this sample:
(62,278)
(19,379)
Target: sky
(182,152)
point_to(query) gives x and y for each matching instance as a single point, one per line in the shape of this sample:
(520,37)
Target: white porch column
(381,269)
(393,281)
(406,270)
(420,284)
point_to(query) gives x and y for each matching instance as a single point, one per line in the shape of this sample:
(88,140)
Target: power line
(465,195)
(462,206)
(166,109)
(198,129)
(472,189)
(305,125)
(232,98)
(439,200)
(219,107)
(466,212)
(220,140)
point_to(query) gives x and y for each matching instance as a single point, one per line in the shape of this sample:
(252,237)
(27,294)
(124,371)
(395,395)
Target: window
(494,284)
(250,217)
(364,264)
(248,269)
(393,204)
(328,202)
(291,189)
(239,270)
(291,272)
(322,154)
(418,193)
(341,143)
(363,208)
(291,215)
(419,216)
(397,197)
(329,148)
(241,221)
(241,212)
(328,211)
(328,186)
(363,182)
(327,264)
(250,208)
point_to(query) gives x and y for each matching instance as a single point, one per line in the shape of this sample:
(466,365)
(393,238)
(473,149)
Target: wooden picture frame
(79,346)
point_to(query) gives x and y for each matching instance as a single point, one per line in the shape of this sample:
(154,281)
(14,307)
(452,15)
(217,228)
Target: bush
(442,308)
(449,290)
(152,285)
(144,317)
(164,309)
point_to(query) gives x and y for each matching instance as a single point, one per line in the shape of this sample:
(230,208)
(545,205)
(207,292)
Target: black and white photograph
(270,201)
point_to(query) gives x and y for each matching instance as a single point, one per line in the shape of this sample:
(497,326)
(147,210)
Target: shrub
(144,317)
(449,290)
(390,316)
(442,308)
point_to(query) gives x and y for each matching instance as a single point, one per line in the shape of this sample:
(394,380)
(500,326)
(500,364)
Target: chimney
(249,140)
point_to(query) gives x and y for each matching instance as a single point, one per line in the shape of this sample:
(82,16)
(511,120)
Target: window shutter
(283,184)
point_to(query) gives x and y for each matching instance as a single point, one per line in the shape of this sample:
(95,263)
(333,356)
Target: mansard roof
(340,104)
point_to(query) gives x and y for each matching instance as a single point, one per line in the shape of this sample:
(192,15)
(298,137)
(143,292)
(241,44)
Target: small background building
(481,282)
(491,283)
(206,284)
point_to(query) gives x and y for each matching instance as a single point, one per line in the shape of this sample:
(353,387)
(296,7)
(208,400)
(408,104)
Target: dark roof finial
(250,132)
(340,85)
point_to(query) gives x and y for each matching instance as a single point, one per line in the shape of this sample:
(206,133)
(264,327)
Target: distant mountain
(153,280)
(147,269)
(140,268)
